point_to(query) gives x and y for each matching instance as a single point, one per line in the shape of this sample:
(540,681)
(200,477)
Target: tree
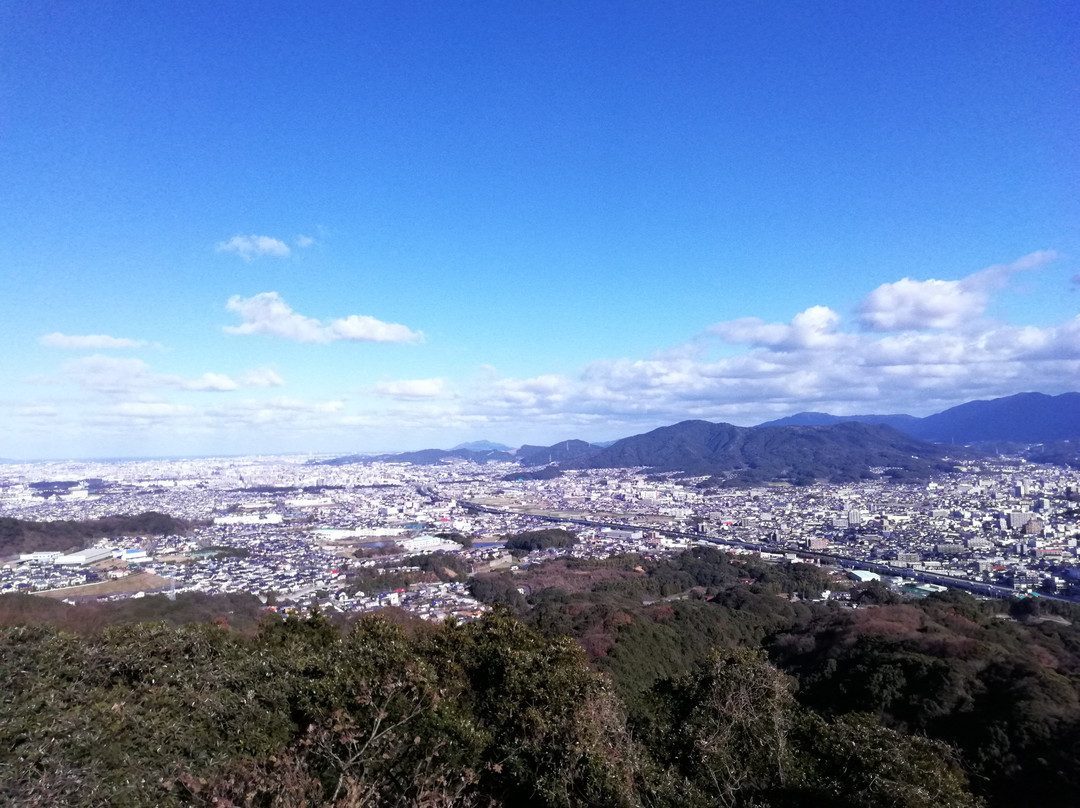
(855,762)
(724,728)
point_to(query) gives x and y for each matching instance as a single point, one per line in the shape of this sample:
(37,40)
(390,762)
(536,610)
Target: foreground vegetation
(694,681)
(490,713)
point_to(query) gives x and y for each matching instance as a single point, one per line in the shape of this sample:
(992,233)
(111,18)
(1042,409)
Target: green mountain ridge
(841,452)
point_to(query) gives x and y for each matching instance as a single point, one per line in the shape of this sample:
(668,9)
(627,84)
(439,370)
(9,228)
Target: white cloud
(211,382)
(303,241)
(412,389)
(89,342)
(249,247)
(934,304)
(811,362)
(268,315)
(815,361)
(997,276)
(152,409)
(262,377)
(110,374)
(917,305)
(298,405)
(282,412)
(812,329)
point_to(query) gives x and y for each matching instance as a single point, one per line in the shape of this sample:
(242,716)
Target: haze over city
(236,229)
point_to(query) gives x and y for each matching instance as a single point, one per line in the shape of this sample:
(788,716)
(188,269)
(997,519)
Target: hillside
(845,451)
(801,447)
(488,713)
(23,536)
(735,455)
(483,446)
(902,423)
(1025,417)
(527,455)
(1022,418)
(698,679)
(424,457)
(556,453)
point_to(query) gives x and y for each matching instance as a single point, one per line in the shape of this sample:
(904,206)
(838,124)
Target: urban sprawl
(300,535)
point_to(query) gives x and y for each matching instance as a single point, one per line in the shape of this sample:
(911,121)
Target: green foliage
(495,588)
(91,723)
(23,536)
(1007,695)
(855,762)
(556,736)
(370,582)
(875,593)
(240,610)
(446,566)
(658,700)
(640,643)
(723,730)
(462,539)
(532,540)
(488,712)
(731,733)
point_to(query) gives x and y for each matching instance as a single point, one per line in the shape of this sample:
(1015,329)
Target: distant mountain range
(561,452)
(902,423)
(1023,418)
(424,457)
(483,446)
(527,455)
(800,448)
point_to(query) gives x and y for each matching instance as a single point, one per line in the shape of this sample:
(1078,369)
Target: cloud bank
(110,374)
(913,345)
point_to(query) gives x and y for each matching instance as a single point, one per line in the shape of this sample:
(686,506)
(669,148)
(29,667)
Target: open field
(140,582)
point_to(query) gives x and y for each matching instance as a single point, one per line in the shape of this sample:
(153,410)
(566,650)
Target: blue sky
(233,227)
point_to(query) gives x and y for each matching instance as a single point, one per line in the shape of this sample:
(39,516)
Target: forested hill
(737,455)
(23,536)
(527,455)
(559,452)
(424,457)
(1022,418)
(840,452)
(903,423)
(1026,417)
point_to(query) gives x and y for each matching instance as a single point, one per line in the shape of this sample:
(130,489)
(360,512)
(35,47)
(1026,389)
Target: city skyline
(410,225)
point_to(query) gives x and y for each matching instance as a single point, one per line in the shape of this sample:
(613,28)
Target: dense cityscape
(299,534)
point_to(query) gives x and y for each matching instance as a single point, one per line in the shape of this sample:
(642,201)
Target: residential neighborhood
(301,535)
